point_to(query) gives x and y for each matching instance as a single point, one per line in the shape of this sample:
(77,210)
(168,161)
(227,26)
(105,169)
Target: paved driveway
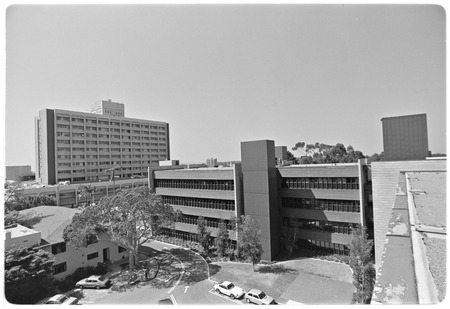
(312,289)
(320,282)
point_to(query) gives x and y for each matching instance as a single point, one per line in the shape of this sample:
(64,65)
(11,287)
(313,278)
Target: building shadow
(274,269)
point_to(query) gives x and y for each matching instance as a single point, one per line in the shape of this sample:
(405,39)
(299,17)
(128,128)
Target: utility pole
(113,177)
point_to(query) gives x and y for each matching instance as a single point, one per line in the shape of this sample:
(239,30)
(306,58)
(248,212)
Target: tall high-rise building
(405,137)
(86,147)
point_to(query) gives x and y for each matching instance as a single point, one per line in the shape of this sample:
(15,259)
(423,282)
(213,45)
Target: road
(185,281)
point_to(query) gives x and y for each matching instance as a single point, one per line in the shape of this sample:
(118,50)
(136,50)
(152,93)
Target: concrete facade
(405,137)
(325,201)
(213,193)
(82,147)
(260,192)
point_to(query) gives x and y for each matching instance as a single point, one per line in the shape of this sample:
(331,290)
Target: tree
(249,241)
(86,192)
(28,275)
(322,153)
(222,239)
(130,218)
(28,220)
(376,157)
(203,234)
(17,202)
(361,262)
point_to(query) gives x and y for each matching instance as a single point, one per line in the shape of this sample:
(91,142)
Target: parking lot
(190,281)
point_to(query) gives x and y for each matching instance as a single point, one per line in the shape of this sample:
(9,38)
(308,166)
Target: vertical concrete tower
(260,192)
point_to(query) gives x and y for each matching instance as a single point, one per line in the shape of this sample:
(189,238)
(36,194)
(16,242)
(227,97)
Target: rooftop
(18,230)
(413,270)
(54,221)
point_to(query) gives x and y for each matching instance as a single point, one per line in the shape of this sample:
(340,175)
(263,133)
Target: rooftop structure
(405,137)
(109,108)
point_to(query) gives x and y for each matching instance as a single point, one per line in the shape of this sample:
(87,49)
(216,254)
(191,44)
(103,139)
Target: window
(58,248)
(59,268)
(92,256)
(122,249)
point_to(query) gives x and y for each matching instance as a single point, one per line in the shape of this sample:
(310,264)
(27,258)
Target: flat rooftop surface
(431,206)
(19,231)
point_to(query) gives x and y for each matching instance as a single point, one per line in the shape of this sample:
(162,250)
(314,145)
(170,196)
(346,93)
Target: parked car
(93,282)
(61,299)
(229,289)
(259,297)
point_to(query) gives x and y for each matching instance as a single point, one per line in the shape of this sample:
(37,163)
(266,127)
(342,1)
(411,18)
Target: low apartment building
(50,238)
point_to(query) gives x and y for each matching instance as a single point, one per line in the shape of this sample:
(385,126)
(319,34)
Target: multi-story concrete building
(405,137)
(212,193)
(325,201)
(82,147)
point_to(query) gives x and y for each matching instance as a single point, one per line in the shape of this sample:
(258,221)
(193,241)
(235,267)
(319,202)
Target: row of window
(187,236)
(101,178)
(211,222)
(100,129)
(106,156)
(147,150)
(349,183)
(319,204)
(324,247)
(320,225)
(81,142)
(227,185)
(112,123)
(199,202)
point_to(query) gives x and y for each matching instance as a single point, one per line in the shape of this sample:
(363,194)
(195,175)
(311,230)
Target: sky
(223,74)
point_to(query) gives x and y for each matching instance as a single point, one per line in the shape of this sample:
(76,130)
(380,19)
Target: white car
(61,299)
(93,282)
(229,289)
(259,297)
